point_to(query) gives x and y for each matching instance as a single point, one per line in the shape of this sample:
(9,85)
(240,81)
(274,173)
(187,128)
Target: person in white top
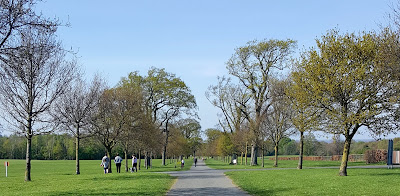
(118,161)
(104,163)
(134,163)
(182,163)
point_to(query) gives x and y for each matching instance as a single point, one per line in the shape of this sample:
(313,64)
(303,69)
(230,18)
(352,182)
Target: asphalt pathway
(202,180)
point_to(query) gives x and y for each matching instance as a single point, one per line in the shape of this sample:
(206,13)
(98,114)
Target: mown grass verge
(318,182)
(59,178)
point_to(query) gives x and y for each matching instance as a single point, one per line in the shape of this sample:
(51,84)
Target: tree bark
(164,153)
(77,152)
(28,156)
(300,165)
(126,158)
(262,156)
(254,150)
(109,158)
(345,157)
(139,161)
(241,159)
(276,155)
(245,155)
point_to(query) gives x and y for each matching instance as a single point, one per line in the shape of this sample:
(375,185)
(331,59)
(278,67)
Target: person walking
(195,161)
(182,163)
(118,161)
(134,163)
(104,163)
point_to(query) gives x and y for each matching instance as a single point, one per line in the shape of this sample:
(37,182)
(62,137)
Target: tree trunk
(28,156)
(276,155)
(109,158)
(300,165)
(126,158)
(77,152)
(262,156)
(139,161)
(345,157)
(241,158)
(163,154)
(254,150)
(245,155)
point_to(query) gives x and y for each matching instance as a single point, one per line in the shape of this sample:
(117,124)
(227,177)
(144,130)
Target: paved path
(202,180)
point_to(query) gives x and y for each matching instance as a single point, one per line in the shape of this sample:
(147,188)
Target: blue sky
(194,39)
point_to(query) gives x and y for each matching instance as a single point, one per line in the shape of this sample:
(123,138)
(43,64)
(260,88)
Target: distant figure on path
(182,163)
(134,164)
(195,161)
(117,162)
(104,163)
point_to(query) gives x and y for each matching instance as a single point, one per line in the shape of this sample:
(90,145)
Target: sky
(194,39)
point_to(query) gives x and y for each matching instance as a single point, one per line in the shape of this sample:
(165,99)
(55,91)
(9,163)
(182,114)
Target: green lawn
(58,178)
(318,182)
(216,164)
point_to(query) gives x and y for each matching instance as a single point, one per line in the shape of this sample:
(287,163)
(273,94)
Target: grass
(318,182)
(58,178)
(217,164)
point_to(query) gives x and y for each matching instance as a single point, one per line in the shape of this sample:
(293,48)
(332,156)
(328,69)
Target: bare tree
(15,17)
(253,65)
(32,78)
(74,109)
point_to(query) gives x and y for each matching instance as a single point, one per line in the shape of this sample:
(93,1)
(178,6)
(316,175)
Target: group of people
(105,162)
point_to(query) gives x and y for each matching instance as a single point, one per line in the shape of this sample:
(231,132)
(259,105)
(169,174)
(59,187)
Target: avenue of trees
(346,82)
(42,91)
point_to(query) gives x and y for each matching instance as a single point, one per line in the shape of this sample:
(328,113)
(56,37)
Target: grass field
(318,182)
(217,164)
(58,178)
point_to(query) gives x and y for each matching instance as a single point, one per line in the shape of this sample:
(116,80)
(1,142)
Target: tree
(253,65)
(278,125)
(32,78)
(191,130)
(229,98)
(304,117)
(110,118)
(212,138)
(346,79)
(166,97)
(75,109)
(15,17)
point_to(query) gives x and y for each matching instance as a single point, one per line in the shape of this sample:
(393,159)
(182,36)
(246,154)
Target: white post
(6,168)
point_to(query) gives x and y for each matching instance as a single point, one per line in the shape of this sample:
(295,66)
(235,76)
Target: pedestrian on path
(117,162)
(182,163)
(195,161)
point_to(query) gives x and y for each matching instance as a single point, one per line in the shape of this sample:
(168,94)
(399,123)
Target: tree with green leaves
(253,66)
(166,97)
(278,125)
(304,116)
(345,77)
